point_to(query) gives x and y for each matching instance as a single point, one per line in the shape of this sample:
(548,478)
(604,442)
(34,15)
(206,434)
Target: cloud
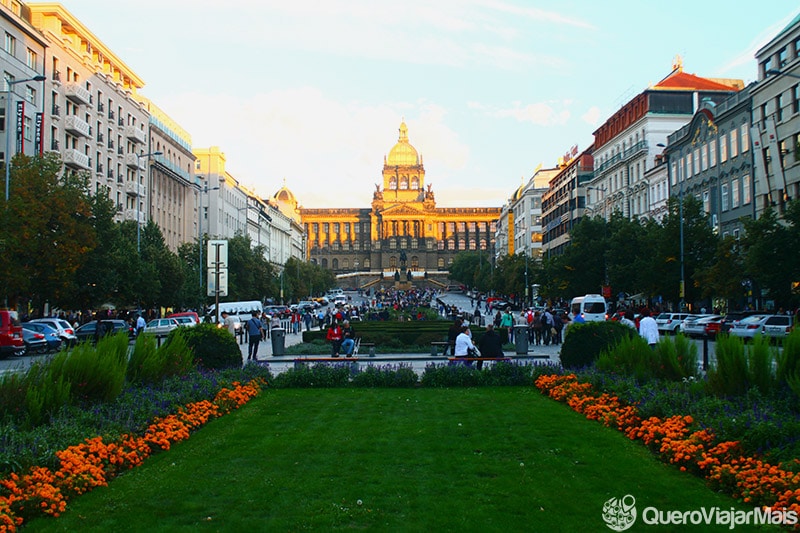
(539,113)
(592,116)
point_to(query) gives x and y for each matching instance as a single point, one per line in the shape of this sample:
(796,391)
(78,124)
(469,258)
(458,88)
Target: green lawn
(472,459)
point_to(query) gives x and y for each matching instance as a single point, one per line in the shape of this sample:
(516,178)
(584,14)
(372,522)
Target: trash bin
(278,336)
(521,339)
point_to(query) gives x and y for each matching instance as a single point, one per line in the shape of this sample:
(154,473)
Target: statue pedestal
(402,285)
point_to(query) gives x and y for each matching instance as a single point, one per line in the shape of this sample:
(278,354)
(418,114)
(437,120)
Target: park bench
(299,361)
(471,359)
(435,345)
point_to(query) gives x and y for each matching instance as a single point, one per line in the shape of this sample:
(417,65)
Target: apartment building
(564,202)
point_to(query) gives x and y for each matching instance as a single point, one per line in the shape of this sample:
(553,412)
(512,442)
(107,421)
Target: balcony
(101,107)
(135,134)
(111,114)
(121,121)
(78,94)
(54,146)
(120,150)
(55,111)
(130,160)
(133,214)
(57,76)
(100,168)
(77,126)
(110,174)
(76,160)
(111,144)
(100,138)
(132,189)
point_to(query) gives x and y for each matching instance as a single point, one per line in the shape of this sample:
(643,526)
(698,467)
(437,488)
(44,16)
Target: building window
(704,157)
(324,227)
(734,193)
(335,264)
(393,262)
(393,244)
(734,143)
(347,228)
(723,148)
(706,202)
(32,60)
(462,227)
(345,264)
(415,183)
(724,194)
(10,44)
(483,244)
(451,244)
(366,263)
(393,182)
(414,262)
(688,166)
(796,99)
(696,161)
(316,227)
(324,263)
(440,262)
(429,244)
(336,228)
(745,137)
(745,189)
(440,245)
(779,108)
(404,183)
(462,244)
(356,245)
(712,152)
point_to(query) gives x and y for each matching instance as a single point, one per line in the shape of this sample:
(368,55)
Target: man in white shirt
(648,328)
(140,324)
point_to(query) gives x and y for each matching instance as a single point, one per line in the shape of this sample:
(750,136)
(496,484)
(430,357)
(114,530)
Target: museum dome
(402,153)
(285,196)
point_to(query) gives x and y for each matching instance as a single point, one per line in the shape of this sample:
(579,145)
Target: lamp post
(138,201)
(201,214)
(10,91)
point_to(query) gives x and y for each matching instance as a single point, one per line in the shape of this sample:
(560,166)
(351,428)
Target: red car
(712,328)
(11,340)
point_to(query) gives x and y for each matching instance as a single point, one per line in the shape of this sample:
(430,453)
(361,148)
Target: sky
(311,93)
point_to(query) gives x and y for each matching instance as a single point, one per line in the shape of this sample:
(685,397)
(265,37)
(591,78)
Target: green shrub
(788,362)
(319,375)
(95,373)
(176,355)
(507,373)
(665,363)
(144,366)
(214,348)
(631,356)
(686,352)
(451,375)
(387,376)
(585,342)
(729,376)
(759,364)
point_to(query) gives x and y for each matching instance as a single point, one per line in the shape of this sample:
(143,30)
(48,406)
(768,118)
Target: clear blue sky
(313,91)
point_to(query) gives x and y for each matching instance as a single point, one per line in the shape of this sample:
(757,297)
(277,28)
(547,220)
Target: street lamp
(201,214)
(679,177)
(10,91)
(138,201)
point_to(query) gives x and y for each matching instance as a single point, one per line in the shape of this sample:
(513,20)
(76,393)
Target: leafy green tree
(581,269)
(249,273)
(47,231)
(723,277)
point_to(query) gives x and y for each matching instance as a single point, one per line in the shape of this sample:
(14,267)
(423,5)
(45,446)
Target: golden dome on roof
(402,153)
(284,195)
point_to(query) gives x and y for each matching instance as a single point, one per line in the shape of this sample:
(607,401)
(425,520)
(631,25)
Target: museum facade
(402,231)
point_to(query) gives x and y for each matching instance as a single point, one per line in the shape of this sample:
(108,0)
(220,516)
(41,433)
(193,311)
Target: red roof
(679,79)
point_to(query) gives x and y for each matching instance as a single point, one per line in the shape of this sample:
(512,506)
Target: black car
(88,331)
(51,335)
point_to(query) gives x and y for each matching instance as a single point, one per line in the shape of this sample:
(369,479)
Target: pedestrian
(255,331)
(508,322)
(627,319)
(229,322)
(307,318)
(648,328)
(477,314)
(140,324)
(464,347)
(490,345)
(334,335)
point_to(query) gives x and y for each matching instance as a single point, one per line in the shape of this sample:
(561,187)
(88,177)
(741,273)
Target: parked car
(88,331)
(281,310)
(51,336)
(713,327)
(191,314)
(734,316)
(778,326)
(749,326)
(11,341)
(64,328)
(34,342)
(184,321)
(696,326)
(668,323)
(161,326)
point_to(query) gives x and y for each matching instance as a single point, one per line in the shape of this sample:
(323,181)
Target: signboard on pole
(212,280)
(220,260)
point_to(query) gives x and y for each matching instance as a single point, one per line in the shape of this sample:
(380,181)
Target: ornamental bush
(214,348)
(583,343)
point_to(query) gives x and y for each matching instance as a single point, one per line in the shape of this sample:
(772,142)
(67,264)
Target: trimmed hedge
(584,343)
(214,348)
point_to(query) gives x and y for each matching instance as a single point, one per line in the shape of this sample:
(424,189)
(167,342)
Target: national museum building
(402,231)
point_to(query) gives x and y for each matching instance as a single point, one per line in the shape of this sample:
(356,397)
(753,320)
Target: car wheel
(24,351)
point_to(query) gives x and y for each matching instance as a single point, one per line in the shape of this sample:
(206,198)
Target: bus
(242,309)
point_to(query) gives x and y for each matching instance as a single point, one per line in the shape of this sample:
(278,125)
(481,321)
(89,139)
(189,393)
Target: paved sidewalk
(417,361)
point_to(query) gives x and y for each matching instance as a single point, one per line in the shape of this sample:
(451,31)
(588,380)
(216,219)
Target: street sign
(223,281)
(220,260)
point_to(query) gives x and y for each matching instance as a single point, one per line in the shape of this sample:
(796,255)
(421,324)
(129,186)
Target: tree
(249,273)
(581,269)
(47,231)
(723,277)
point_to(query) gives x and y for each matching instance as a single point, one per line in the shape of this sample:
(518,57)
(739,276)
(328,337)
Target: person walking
(255,331)
(140,324)
(229,322)
(508,322)
(648,328)
(490,345)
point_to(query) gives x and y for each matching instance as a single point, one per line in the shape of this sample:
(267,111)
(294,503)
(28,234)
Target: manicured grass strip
(480,459)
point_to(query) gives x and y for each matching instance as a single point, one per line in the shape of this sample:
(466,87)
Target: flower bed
(93,463)
(678,440)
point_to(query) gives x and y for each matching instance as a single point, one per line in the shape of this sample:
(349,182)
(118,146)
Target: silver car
(64,329)
(161,326)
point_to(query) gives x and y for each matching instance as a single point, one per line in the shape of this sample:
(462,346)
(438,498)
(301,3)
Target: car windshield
(752,319)
(594,307)
(663,316)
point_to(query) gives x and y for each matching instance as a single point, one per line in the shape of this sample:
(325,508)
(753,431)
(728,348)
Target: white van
(592,307)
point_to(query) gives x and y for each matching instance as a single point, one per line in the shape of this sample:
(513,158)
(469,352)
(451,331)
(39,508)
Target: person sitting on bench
(490,345)
(464,347)
(349,336)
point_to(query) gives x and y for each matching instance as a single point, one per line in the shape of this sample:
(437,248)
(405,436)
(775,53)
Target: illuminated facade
(403,226)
